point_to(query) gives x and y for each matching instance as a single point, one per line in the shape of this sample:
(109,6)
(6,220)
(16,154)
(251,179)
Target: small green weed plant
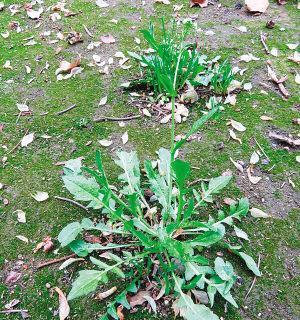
(169,51)
(167,240)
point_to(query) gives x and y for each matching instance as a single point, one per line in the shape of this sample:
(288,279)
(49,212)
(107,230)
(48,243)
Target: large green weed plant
(167,239)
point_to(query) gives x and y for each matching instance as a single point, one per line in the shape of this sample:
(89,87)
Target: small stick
(16,146)
(66,110)
(53,261)
(13,311)
(87,31)
(73,202)
(261,149)
(117,119)
(263,39)
(254,280)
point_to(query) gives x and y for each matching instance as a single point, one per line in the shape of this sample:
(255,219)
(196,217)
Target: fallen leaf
(234,137)
(138,299)
(68,262)
(33,14)
(266,118)
(254,158)
(297,78)
(26,140)
(274,52)
(237,125)
(106,294)
(64,308)
(248,86)
(40,196)
(281,138)
(166,119)
(248,57)
(298,159)
(46,244)
(22,238)
(237,165)
(146,113)
(120,313)
(253,179)
(12,304)
(292,46)
(108,39)
(200,3)
(257,5)
(242,29)
(21,216)
(125,138)
(162,1)
(22,107)
(102,4)
(12,277)
(257,213)
(105,143)
(295,57)
(103,101)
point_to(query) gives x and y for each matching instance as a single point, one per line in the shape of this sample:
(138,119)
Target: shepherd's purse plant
(165,239)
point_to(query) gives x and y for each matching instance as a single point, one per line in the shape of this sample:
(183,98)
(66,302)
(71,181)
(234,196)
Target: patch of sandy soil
(277,198)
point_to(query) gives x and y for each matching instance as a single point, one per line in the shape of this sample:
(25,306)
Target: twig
(87,31)
(16,146)
(73,202)
(254,280)
(53,261)
(66,110)
(192,183)
(261,149)
(117,119)
(263,38)
(13,311)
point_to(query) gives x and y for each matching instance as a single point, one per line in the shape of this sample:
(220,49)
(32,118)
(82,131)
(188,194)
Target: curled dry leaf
(22,238)
(21,216)
(138,299)
(237,125)
(46,244)
(26,140)
(234,137)
(33,14)
(66,66)
(106,294)
(68,262)
(40,196)
(120,313)
(22,107)
(257,213)
(237,165)
(252,179)
(64,308)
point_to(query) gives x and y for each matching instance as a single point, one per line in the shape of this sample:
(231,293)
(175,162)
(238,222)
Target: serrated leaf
(84,189)
(129,162)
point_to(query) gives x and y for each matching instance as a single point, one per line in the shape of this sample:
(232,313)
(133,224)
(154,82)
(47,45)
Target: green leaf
(86,283)
(211,291)
(157,184)
(129,162)
(182,171)
(69,233)
(214,186)
(207,238)
(192,269)
(191,311)
(250,263)
(224,269)
(84,189)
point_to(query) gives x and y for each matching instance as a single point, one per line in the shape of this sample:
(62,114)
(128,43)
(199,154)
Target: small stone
(48,285)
